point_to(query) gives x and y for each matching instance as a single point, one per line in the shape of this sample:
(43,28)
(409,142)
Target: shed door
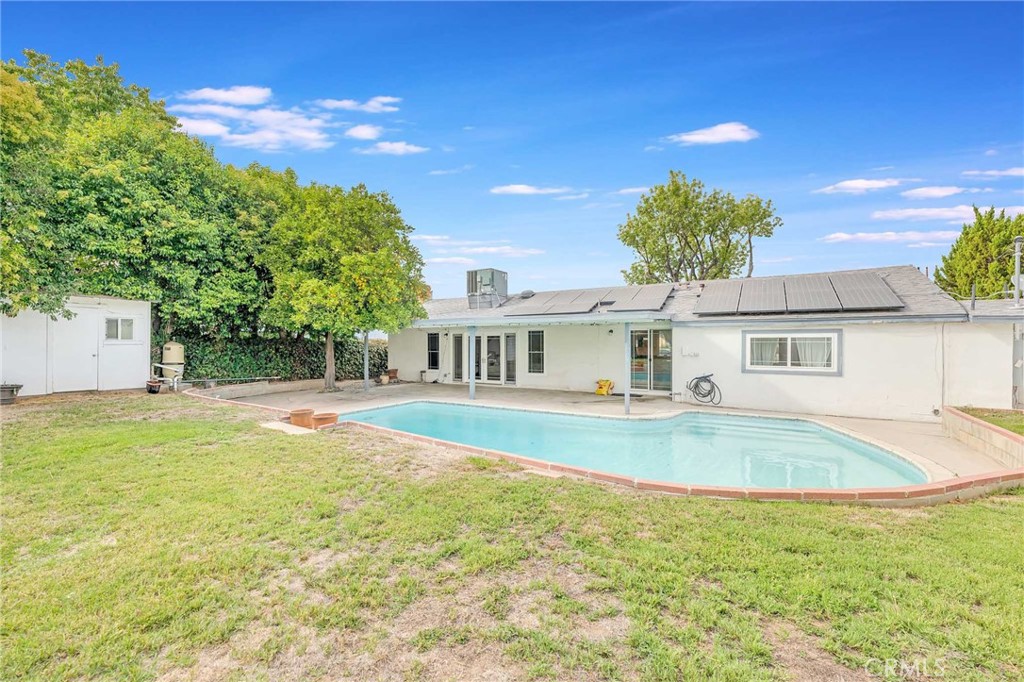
(75,348)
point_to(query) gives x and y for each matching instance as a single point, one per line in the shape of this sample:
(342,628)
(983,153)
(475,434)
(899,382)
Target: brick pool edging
(1003,445)
(935,492)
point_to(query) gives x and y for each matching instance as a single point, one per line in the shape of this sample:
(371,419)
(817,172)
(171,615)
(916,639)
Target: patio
(922,442)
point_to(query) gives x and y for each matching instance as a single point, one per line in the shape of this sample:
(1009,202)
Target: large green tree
(681,231)
(342,263)
(982,255)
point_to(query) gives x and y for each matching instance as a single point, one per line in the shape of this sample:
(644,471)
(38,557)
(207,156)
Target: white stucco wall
(979,364)
(47,355)
(889,370)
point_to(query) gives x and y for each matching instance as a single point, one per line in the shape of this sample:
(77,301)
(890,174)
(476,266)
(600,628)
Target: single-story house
(881,342)
(103,346)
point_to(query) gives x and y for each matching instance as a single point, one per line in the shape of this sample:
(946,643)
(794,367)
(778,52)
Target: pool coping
(922,494)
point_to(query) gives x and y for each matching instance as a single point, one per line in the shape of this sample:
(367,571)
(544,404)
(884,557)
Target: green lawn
(1011,420)
(154,537)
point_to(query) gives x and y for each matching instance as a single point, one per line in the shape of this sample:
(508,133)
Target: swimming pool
(693,447)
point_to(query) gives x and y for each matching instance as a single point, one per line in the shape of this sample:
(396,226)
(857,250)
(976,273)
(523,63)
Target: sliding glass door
(651,360)
(510,358)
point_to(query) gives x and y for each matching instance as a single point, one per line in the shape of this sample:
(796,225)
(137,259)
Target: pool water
(694,447)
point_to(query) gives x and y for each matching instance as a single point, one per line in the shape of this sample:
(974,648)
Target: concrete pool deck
(922,443)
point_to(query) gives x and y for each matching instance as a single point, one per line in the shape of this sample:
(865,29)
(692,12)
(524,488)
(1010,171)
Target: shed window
(433,350)
(535,352)
(815,352)
(120,329)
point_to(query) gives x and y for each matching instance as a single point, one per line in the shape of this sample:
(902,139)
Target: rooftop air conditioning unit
(487,288)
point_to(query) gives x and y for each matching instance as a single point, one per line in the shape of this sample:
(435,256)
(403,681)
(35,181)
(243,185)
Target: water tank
(172,355)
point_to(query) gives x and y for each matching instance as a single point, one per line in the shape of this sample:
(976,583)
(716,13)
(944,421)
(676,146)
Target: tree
(342,262)
(159,221)
(37,267)
(982,255)
(681,232)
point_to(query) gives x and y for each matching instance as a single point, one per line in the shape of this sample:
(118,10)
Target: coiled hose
(705,390)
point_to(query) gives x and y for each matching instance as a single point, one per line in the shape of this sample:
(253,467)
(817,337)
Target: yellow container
(605,386)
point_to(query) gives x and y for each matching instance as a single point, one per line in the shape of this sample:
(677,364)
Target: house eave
(542,320)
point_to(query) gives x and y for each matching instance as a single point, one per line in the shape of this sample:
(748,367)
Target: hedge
(288,358)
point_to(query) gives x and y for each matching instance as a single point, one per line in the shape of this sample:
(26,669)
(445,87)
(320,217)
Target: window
(535,352)
(120,329)
(433,350)
(815,352)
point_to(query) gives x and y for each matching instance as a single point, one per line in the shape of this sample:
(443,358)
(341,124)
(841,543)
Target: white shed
(104,346)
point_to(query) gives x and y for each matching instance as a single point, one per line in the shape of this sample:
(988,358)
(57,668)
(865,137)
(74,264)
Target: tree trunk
(750,255)
(329,384)
(366,361)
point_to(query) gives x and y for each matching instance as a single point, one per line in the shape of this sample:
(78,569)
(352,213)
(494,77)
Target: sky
(519,136)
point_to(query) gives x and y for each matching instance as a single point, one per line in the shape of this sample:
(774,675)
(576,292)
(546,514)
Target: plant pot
(323,419)
(384,378)
(153,386)
(9,393)
(393,374)
(303,418)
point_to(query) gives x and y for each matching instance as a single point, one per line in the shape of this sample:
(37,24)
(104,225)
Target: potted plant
(8,393)
(393,374)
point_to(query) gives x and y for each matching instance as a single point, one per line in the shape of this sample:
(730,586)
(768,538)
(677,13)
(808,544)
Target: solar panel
(864,291)
(811,293)
(720,297)
(648,298)
(529,310)
(762,296)
(574,307)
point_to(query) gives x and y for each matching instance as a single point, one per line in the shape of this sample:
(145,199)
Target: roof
(999,310)
(922,299)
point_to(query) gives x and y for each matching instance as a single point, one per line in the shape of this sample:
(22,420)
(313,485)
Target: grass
(1011,420)
(156,537)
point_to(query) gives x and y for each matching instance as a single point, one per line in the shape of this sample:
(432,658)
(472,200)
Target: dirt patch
(802,658)
(407,459)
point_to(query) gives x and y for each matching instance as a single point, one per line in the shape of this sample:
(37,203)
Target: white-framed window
(798,352)
(535,352)
(120,329)
(433,350)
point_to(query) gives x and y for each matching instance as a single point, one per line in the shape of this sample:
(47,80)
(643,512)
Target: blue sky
(518,135)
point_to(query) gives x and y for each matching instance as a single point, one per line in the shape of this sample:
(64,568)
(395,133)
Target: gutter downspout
(472,361)
(1017,241)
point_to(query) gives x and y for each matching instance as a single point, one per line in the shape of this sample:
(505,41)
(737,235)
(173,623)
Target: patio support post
(628,365)
(472,362)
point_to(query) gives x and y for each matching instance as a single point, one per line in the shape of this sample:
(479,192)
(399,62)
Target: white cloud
(860,186)
(364,132)
(393,148)
(430,237)
(938,236)
(452,171)
(573,197)
(508,251)
(929,245)
(375,105)
(632,190)
(265,128)
(717,134)
(528,189)
(991,152)
(236,94)
(956,214)
(653,148)
(882,168)
(203,127)
(450,260)
(938,192)
(1008,173)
